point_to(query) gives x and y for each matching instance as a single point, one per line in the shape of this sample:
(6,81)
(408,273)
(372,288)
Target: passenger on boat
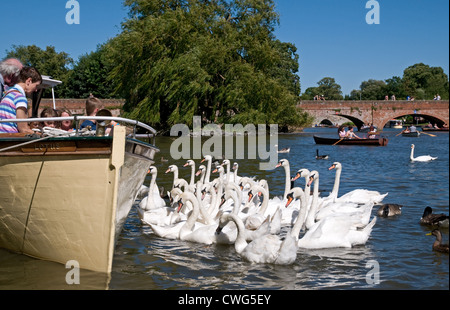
(65,125)
(341,132)
(372,132)
(351,134)
(9,73)
(14,105)
(48,112)
(413,128)
(93,105)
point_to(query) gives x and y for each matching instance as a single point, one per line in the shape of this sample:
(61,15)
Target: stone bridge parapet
(374,112)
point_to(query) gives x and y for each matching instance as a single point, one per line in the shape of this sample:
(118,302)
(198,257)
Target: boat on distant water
(64,196)
(336,141)
(430,129)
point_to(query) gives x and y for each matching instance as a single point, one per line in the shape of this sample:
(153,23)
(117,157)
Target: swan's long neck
(189,225)
(208,171)
(412,154)
(337,182)
(265,202)
(287,185)
(228,172)
(295,231)
(310,219)
(150,203)
(192,175)
(240,244)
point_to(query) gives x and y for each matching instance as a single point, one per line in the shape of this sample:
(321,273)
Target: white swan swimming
(359,196)
(422,158)
(332,231)
(153,199)
(267,249)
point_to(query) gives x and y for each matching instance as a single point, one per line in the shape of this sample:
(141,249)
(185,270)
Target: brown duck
(437,245)
(428,218)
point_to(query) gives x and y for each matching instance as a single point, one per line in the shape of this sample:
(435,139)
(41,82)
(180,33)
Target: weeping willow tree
(218,59)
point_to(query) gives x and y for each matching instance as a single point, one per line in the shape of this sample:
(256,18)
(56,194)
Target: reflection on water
(398,244)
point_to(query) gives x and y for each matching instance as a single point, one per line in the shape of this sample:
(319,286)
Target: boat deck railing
(102,121)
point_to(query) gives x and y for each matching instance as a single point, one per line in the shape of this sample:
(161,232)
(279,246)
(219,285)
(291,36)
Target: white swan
(285,164)
(359,196)
(208,234)
(191,163)
(267,249)
(153,199)
(332,231)
(422,158)
(176,180)
(208,159)
(181,229)
(201,172)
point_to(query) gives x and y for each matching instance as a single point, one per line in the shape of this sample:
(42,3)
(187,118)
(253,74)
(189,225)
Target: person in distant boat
(93,105)
(351,134)
(407,130)
(412,128)
(341,132)
(14,105)
(372,132)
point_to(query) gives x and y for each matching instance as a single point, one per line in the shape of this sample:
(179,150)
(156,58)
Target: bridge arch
(430,118)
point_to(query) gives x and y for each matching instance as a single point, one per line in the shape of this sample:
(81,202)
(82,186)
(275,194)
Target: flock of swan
(222,207)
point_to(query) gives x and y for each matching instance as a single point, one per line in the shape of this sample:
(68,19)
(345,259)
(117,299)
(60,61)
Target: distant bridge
(378,113)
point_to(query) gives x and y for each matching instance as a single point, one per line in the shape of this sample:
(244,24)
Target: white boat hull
(70,204)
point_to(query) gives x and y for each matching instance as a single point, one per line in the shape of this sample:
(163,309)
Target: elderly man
(9,73)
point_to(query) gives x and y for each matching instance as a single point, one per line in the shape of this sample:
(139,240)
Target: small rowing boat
(335,141)
(411,134)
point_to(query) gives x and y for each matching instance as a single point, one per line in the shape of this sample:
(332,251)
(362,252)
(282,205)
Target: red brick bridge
(379,113)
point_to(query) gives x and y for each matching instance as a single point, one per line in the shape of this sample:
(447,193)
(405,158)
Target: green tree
(394,86)
(370,90)
(90,75)
(48,62)
(328,88)
(218,59)
(424,82)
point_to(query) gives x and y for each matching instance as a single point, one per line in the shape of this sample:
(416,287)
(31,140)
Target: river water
(397,256)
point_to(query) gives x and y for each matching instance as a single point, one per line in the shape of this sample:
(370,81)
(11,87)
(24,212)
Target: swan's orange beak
(278,165)
(168,170)
(185,165)
(311,179)
(203,160)
(296,176)
(289,200)
(250,196)
(198,173)
(180,205)
(332,167)
(215,170)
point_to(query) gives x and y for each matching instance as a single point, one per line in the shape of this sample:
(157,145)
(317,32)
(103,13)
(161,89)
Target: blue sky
(332,37)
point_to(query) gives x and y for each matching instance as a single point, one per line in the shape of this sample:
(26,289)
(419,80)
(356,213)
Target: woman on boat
(341,132)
